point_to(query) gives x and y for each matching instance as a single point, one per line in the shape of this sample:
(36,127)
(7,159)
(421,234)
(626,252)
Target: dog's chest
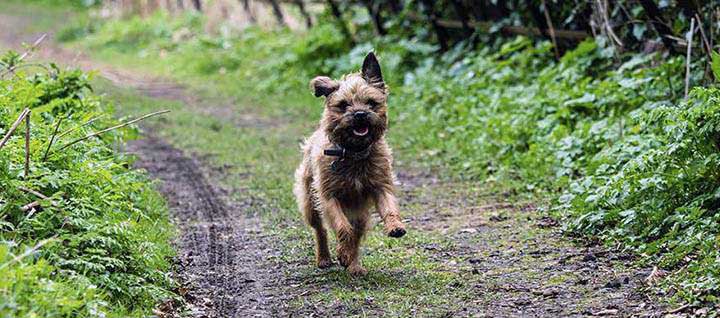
(351,178)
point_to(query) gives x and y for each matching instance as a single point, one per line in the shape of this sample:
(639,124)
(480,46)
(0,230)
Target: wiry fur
(342,197)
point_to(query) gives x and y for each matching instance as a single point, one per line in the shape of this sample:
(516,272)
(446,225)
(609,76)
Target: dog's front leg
(387,207)
(348,238)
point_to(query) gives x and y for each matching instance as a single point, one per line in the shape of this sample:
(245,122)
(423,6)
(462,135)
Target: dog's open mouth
(361,131)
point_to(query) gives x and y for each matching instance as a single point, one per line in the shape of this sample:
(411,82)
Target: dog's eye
(342,105)
(372,103)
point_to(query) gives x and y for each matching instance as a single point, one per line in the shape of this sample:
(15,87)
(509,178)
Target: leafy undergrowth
(98,244)
(658,192)
(605,134)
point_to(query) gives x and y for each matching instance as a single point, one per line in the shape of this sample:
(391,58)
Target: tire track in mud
(223,258)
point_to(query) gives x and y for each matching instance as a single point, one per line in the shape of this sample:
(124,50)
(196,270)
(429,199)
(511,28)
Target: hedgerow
(98,245)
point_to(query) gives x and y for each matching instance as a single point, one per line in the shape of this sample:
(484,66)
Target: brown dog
(347,165)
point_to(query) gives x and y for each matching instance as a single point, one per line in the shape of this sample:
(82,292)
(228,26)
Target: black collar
(343,153)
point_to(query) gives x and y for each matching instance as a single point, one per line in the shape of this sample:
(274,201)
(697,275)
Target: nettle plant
(98,244)
(659,192)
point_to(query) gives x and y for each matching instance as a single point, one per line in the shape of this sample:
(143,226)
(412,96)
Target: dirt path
(223,258)
(517,261)
(513,261)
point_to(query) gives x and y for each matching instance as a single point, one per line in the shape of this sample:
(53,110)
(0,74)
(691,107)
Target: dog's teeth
(363,131)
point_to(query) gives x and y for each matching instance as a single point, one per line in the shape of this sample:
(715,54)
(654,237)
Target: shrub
(106,230)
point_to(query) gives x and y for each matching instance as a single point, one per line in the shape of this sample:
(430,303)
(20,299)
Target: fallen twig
(14,126)
(35,193)
(679,309)
(30,206)
(687,59)
(52,138)
(112,128)
(655,275)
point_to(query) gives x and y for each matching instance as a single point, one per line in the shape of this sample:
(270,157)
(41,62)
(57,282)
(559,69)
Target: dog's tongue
(361,131)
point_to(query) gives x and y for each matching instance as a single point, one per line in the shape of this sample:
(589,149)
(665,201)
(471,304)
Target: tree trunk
(277,11)
(246,8)
(374,12)
(197,5)
(440,31)
(301,6)
(462,13)
(657,22)
(335,10)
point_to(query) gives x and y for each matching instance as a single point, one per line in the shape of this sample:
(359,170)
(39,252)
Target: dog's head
(355,113)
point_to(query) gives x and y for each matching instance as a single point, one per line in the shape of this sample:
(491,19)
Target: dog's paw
(324,263)
(357,270)
(343,258)
(395,229)
(397,232)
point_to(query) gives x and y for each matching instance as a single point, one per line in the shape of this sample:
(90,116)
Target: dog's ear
(371,71)
(323,86)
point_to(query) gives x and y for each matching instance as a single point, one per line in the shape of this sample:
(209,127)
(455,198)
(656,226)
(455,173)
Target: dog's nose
(360,115)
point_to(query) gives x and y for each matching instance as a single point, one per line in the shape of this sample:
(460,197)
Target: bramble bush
(99,245)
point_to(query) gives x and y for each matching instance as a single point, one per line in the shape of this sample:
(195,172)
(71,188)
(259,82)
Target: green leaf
(716,64)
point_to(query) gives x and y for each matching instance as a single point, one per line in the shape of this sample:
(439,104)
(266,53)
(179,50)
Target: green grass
(45,14)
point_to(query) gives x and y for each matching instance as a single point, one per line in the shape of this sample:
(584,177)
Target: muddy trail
(515,262)
(222,253)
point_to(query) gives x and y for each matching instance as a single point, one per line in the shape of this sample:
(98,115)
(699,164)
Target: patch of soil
(516,261)
(224,261)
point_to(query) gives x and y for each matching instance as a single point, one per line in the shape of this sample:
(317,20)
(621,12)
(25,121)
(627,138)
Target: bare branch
(27,145)
(706,44)
(687,58)
(551,28)
(25,54)
(112,128)
(52,138)
(14,126)
(27,253)
(33,192)
(80,126)
(30,206)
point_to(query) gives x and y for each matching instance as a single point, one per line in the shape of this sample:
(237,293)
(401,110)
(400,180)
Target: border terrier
(347,166)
